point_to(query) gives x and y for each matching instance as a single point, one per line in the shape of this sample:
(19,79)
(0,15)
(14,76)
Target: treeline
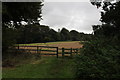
(35,33)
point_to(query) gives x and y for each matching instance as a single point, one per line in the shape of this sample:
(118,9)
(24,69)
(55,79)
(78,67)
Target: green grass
(31,44)
(46,67)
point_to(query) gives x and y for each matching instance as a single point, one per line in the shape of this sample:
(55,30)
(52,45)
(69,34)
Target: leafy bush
(98,59)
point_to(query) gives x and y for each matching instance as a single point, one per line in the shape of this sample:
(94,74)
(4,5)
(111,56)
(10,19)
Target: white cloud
(66,0)
(71,15)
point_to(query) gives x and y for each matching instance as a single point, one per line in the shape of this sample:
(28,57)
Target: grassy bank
(46,67)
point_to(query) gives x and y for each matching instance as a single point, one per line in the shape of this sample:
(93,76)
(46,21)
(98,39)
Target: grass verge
(46,67)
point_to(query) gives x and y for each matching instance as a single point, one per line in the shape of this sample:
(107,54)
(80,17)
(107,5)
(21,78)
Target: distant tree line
(35,33)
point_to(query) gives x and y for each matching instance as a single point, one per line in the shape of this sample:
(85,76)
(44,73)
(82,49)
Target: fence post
(77,50)
(57,52)
(62,52)
(37,49)
(38,55)
(40,52)
(71,52)
(18,47)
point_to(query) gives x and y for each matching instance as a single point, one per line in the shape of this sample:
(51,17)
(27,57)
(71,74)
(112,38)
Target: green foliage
(8,38)
(75,36)
(55,36)
(110,15)
(35,33)
(98,59)
(12,15)
(65,35)
(22,11)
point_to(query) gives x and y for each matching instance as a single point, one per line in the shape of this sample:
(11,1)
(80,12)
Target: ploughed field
(65,44)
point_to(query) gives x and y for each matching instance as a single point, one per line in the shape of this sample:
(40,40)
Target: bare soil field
(67,45)
(72,44)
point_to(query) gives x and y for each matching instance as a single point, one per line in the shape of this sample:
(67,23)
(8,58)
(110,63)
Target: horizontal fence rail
(48,50)
(38,46)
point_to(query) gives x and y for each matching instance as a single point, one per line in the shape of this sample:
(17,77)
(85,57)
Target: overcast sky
(78,16)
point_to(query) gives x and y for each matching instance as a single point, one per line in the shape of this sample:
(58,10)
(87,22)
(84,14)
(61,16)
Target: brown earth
(59,45)
(67,45)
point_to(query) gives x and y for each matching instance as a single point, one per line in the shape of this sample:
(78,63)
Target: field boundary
(48,50)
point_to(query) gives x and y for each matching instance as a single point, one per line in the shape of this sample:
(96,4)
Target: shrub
(98,59)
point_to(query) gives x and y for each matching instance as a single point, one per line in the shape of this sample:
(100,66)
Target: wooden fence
(49,50)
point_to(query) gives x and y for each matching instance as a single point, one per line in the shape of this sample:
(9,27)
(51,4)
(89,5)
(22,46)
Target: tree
(20,11)
(12,15)
(110,15)
(111,21)
(54,35)
(100,54)
(75,36)
(65,35)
